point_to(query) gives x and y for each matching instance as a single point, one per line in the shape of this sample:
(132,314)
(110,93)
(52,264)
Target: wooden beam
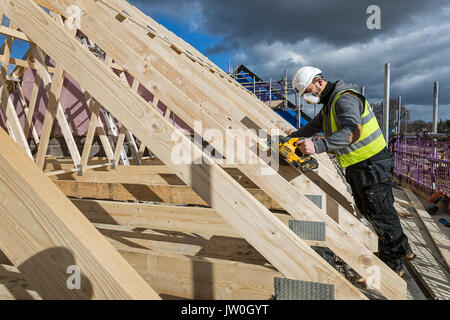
(440,241)
(403,181)
(404,203)
(6,104)
(50,115)
(26,64)
(43,234)
(104,140)
(54,109)
(119,145)
(27,112)
(145,175)
(13,285)
(175,194)
(428,271)
(164,217)
(182,243)
(194,266)
(190,277)
(207,179)
(166,34)
(95,125)
(13,33)
(94,107)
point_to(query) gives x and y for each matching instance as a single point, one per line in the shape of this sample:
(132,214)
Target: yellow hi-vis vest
(371,140)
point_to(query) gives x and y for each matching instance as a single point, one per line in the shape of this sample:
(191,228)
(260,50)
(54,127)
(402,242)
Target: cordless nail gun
(293,156)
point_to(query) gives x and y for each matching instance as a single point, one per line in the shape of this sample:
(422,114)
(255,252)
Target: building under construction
(95,204)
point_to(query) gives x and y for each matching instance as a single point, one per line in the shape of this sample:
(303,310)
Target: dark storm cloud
(269,36)
(336,22)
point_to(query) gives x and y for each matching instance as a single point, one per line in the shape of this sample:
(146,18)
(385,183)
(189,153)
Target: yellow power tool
(292,155)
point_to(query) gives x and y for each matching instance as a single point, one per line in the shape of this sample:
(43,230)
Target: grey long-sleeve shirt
(349,109)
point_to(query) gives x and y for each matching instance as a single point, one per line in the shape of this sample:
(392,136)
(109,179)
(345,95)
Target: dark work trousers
(371,183)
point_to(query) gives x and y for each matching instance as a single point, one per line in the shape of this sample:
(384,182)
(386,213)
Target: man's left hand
(306,146)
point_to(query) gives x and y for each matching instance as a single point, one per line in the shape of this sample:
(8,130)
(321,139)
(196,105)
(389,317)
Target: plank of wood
(404,203)
(54,109)
(93,166)
(104,140)
(26,63)
(148,167)
(202,245)
(145,21)
(441,242)
(145,175)
(403,181)
(431,274)
(141,151)
(6,104)
(177,269)
(50,115)
(13,285)
(31,106)
(43,234)
(27,113)
(175,194)
(402,212)
(13,122)
(95,109)
(13,33)
(95,125)
(203,278)
(164,217)
(119,145)
(207,179)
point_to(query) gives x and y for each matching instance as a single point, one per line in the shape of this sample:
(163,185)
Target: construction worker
(352,133)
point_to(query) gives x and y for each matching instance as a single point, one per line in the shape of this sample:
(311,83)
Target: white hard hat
(304,77)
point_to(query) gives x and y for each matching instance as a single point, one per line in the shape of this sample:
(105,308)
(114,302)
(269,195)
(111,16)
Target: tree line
(418,126)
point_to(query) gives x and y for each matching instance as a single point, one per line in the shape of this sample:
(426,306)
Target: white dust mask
(311,98)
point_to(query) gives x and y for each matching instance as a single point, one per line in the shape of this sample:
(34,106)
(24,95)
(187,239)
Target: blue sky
(19,47)
(200,41)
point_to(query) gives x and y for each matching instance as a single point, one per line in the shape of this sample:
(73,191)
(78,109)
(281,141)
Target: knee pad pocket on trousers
(381,203)
(384,170)
(364,177)
(379,200)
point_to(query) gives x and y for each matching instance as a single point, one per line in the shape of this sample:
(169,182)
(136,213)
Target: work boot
(410,256)
(401,272)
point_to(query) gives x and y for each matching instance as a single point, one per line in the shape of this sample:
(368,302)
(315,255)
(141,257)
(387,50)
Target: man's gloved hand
(306,146)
